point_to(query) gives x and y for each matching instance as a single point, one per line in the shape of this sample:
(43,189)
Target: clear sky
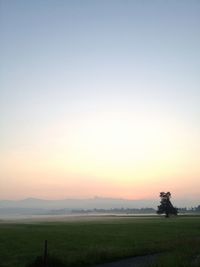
(99,97)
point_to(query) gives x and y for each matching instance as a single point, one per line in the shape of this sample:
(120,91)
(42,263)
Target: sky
(99,98)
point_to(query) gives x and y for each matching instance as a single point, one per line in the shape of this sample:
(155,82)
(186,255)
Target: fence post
(45,253)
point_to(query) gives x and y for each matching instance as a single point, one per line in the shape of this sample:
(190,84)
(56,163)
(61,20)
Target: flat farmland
(87,241)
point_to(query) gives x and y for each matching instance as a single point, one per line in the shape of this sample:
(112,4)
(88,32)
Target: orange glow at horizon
(110,156)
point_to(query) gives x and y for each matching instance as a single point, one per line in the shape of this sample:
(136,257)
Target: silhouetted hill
(91,203)
(96,202)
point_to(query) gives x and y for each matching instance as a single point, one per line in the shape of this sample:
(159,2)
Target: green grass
(91,242)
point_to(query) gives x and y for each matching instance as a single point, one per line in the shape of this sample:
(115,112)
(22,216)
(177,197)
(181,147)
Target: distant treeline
(191,210)
(132,211)
(116,211)
(32,211)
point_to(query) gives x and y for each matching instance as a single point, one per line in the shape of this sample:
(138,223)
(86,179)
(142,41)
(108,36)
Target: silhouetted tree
(166,205)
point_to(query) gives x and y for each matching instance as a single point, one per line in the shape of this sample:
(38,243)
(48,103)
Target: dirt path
(139,261)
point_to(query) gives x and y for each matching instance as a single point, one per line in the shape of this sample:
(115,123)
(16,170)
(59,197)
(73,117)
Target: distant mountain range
(92,203)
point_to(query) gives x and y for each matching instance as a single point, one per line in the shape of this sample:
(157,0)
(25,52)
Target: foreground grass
(90,242)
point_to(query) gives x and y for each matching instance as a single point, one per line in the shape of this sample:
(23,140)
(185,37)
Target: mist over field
(96,205)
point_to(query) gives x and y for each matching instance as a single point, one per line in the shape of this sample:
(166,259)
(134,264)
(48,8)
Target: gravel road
(139,261)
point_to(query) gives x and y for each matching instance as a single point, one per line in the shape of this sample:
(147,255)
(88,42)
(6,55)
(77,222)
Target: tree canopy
(166,206)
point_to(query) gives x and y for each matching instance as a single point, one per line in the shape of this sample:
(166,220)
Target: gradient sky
(99,97)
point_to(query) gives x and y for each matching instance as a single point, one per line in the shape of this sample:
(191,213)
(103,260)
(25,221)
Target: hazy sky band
(99,98)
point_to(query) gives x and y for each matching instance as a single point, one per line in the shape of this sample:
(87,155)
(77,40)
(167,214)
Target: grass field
(86,243)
